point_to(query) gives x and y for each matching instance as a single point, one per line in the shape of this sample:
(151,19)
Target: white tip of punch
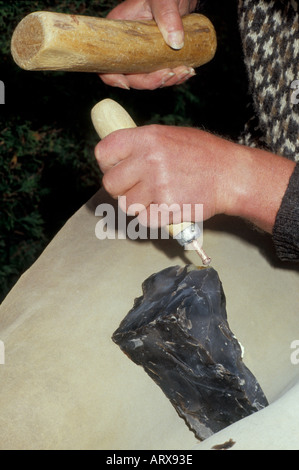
(206,260)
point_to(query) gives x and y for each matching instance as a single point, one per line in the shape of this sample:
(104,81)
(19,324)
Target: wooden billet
(57,41)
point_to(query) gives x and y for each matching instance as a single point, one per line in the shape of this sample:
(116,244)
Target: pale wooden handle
(109,116)
(56,41)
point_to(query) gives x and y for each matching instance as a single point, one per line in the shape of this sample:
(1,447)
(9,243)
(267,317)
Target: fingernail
(121,84)
(166,78)
(187,74)
(176,39)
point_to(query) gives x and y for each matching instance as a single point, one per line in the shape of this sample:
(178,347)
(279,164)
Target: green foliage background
(47,167)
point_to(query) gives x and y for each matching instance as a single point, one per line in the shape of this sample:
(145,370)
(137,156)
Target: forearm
(259,182)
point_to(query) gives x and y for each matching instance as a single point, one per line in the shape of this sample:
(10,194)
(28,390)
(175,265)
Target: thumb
(167,16)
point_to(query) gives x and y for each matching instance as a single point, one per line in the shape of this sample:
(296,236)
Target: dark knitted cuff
(286,227)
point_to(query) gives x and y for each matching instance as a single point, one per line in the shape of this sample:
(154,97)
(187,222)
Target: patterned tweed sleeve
(270,37)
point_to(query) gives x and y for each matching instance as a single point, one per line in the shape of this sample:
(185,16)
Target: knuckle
(97,152)
(170,10)
(155,154)
(108,183)
(153,133)
(100,153)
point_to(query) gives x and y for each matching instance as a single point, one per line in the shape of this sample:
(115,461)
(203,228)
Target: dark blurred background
(47,166)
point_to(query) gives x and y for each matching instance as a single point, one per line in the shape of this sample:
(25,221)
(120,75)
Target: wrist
(258,184)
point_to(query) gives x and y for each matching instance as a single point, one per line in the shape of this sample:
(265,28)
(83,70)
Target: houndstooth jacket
(270,37)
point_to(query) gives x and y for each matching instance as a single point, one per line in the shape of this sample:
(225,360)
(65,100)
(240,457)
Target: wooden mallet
(57,41)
